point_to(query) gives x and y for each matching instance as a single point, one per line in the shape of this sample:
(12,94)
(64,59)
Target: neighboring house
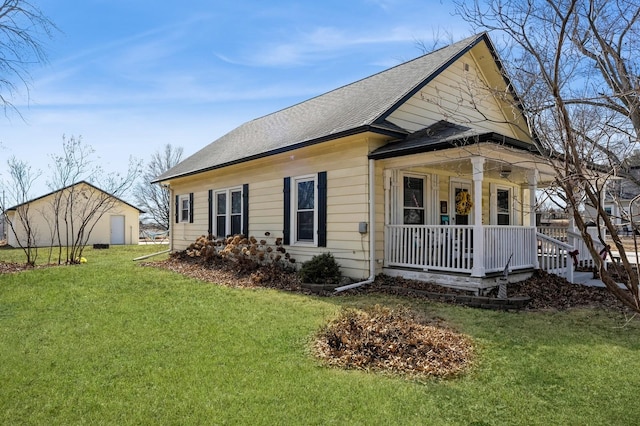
(425,170)
(619,201)
(115,221)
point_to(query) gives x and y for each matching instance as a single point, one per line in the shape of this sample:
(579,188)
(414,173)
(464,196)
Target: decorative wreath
(463,203)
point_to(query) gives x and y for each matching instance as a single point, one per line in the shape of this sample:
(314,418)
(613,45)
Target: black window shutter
(177,208)
(322,209)
(210,221)
(191,207)
(286,233)
(245,210)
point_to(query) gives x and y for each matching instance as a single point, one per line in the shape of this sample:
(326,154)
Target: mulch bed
(9,267)
(546,291)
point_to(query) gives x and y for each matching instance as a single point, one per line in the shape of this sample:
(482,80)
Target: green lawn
(110,342)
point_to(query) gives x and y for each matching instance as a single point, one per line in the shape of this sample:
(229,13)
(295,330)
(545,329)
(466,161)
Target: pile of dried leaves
(549,291)
(395,341)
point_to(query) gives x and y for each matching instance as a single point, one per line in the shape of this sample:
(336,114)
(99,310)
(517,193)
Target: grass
(110,342)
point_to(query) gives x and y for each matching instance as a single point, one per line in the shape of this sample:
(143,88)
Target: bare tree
(574,64)
(20,218)
(154,198)
(82,195)
(22,27)
(72,166)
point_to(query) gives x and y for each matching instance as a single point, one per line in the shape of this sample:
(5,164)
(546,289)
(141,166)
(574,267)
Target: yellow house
(93,216)
(426,170)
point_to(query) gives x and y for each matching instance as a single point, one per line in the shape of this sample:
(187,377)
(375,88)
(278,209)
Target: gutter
(374,128)
(372,232)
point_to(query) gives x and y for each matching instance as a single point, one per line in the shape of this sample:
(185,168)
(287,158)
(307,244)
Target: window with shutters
(228,208)
(305,213)
(184,207)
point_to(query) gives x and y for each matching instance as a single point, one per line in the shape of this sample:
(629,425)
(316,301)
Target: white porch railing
(556,232)
(554,256)
(575,242)
(584,256)
(450,247)
(436,247)
(503,242)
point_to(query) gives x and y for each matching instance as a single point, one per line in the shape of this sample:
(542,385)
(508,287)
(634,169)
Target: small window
(504,206)
(185,208)
(304,207)
(413,190)
(228,208)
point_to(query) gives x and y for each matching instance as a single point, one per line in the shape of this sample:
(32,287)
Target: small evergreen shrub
(321,269)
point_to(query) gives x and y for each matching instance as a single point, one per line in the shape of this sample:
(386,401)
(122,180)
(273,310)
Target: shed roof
(82,182)
(357,107)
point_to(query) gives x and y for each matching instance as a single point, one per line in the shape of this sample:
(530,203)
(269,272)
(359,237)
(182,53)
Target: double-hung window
(413,195)
(305,215)
(184,208)
(228,212)
(305,210)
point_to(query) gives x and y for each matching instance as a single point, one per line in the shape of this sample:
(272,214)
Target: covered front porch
(461,217)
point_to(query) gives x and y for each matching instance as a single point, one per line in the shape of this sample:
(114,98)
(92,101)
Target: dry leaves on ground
(10,267)
(223,273)
(394,341)
(547,291)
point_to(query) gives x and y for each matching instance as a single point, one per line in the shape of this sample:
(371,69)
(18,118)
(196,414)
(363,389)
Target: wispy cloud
(307,47)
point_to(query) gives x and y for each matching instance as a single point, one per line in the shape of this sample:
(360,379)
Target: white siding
(346,164)
(461,97)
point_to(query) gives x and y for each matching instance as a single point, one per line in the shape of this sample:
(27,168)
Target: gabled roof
(355,108)
(82,182)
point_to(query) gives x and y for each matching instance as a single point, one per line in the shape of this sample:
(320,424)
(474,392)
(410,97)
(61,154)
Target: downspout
(372,232)
(171,216)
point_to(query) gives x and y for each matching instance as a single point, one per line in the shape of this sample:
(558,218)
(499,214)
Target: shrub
(242,254)
(321,269)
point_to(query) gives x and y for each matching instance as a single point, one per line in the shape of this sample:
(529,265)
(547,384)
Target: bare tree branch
(22,28)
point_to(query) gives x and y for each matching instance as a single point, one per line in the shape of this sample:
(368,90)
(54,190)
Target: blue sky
(132,75)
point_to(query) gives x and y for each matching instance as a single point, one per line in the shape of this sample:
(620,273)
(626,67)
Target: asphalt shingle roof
(356,107)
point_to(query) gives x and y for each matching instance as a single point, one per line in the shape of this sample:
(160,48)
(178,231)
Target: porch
(447,255)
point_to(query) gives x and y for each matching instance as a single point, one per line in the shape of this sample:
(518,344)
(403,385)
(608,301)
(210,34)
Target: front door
(460,191)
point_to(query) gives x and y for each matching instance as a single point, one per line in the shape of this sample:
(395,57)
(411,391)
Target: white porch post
(532,180)
(387,215)
(477,164)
